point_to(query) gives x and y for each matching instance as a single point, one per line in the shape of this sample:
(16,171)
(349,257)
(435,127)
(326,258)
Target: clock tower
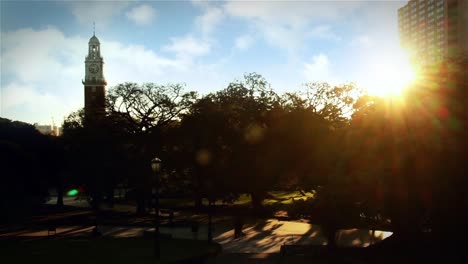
(94,81)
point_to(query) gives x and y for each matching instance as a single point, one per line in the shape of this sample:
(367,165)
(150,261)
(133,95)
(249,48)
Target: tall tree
(405,153)
(144,111)
(30,162)
(95,154)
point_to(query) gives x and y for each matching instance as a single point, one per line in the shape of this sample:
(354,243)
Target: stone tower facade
(94,81)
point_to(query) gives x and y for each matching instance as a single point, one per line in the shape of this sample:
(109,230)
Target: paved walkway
(264,236)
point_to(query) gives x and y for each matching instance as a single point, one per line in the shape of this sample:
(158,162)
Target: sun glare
(390,77)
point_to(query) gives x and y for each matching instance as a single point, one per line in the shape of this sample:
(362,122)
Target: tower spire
(94,28)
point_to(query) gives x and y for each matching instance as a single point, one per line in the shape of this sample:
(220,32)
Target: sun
(391,76)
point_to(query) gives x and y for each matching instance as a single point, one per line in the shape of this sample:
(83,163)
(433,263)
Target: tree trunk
(59,195)
(210,222)
(96,200)
(331,225)
(257,200)
(110,197)
(140,200)
(331,237)
(198,201)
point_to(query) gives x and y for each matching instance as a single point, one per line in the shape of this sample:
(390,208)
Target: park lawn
(102,250)
(176,202)
(281,197)
(285,197)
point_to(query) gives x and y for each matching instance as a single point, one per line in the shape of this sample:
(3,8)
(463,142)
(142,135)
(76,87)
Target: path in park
(264,236)
(260,244)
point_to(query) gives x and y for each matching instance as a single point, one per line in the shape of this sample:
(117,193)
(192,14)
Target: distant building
(94,82)
(52,130)
(433,30)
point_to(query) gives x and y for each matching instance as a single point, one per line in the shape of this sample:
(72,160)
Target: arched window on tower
(93,51)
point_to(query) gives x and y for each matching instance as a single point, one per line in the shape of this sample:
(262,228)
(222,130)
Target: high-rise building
(433,30)
(94,82)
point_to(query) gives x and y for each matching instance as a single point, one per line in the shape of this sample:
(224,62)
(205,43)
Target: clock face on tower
(93,68)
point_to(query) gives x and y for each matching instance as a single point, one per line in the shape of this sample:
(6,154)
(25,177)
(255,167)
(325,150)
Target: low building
(52,130)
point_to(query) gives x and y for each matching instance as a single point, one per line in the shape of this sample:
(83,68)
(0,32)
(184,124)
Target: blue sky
(204,44)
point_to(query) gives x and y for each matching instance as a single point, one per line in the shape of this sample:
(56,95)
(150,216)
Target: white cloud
(319,69)
(211,17)
(283,36)
(135,63)
(188,47)
(244,42)
(43,81)
(324,32)
(101,12)
(201,3)
(287,24)
(142,14)
(31,64)
(31,101)
(290,10)
(363,41)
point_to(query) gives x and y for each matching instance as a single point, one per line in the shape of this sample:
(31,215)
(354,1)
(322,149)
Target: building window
(93,89)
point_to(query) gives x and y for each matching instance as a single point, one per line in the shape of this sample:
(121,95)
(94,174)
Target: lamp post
(156,167)
(211,199)
(210,222)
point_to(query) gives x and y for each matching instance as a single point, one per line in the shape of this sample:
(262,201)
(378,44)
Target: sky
(203,44)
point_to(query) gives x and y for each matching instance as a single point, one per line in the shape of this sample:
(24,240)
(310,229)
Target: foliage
(404,154)
(30,163)
(95,156)
(119,146)
(333,103)
(402,158)
(146,106)
(212,146)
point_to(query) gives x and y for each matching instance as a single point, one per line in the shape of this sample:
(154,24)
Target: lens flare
(391,76)
(72,192)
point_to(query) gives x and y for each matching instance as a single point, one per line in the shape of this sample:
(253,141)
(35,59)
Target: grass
(286,197)
(274,197)
(176,202)
(282,197)
(102,250)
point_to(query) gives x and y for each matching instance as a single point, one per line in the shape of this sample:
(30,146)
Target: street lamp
(156,167)
(210,222)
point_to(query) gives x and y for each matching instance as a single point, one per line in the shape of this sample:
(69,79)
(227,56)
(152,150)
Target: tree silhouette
(30,164)
(144,111)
